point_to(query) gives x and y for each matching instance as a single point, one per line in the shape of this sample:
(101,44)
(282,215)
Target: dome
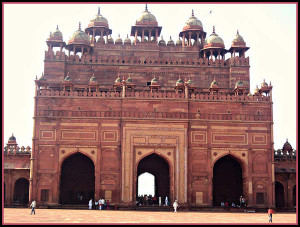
(194,21)
(179,42)
(214,83)
(146,17)
(119,40)
(162,42)
(214,39)
(79,37)
(98,19)
(110,40)
(118,80)
(264,84)
(154,80)
(287,146)
(12,138)
(190,82)
(56,34)
(179,82)
(93,78)
(67,78)
(42,77)
(127,40)
(239,84)
(129,80)
(171,42)
(256,90)
(238,38)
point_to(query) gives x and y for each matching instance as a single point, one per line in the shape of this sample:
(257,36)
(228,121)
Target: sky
(268,29)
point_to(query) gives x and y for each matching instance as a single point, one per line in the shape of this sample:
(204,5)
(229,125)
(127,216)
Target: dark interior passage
(227,181)
(21,191)
(77,185)
(279,194)
(159,168)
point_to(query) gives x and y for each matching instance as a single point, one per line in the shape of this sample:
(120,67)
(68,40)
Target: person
(33,204)
(103,204)
(270,212)
(222,204)
(233,204)
(108,204)
(100,204)
(159,201)
(154,200)
(226,204)
(90,204)
(241,201)
(175,205)
(166,201)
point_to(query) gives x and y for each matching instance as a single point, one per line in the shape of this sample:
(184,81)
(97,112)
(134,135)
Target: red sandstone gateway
(107,111)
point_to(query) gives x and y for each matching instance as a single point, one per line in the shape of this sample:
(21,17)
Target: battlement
(16,150)
(154,95)
(145,61)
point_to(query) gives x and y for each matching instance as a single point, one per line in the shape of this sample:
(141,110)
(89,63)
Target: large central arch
(227,181)
(77,181)
(21,191)
(159,168)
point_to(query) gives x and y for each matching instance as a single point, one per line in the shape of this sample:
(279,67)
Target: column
(197,39)
(135,37)
(183,40)
(190,36)
(150,31)
(143,31)
(101,35)
(156,35)
(219,53)
(211,54)
(93,39)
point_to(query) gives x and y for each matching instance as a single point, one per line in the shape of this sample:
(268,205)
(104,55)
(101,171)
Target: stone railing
(151,95)
(16,150)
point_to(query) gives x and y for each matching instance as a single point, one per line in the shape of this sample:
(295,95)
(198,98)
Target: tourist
(103,204)
(146,200)
(233,204)
(90,204)
(33,204)
(270,212)
(222,204)
(159,201)
(100,204)
(226,204)
(107,204)
(154,200)
(175,205)
(166,201)
(241,201)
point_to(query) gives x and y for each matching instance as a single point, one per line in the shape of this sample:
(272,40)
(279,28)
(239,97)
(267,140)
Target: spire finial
(57,27)
(146,8)
(192,12)
(79,26)
(98,10)
(213,29)
(237,32)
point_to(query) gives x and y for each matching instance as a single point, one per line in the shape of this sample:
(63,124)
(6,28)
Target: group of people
(243,203)
(151,200)
(101,203)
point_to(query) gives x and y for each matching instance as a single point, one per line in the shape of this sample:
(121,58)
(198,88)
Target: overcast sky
(268,29)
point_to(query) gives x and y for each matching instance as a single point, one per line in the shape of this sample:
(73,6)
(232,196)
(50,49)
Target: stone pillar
(186,92)
(156,35)
(135,37)
(197,41)
(183,40)
(149,37)
(190,38)
(94,38)
(143,33)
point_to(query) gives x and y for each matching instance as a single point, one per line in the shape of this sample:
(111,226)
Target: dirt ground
(19,215)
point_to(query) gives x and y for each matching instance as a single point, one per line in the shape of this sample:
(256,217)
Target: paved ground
(13,215)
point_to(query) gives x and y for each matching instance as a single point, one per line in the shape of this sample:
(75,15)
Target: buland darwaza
(109,110)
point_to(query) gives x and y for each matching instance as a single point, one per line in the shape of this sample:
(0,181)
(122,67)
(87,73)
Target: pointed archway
(77,181)
(227,181)
(279,195)
(21,191)
(159,168)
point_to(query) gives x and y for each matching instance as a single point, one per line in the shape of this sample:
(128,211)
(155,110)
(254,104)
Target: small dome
(264,84)
(256,90)
(214,83)
(118,80)
(67,78)
(162,42)
(214,38)
(119,40)
(101,39)
(194,21)
(127,40)
(154,80)
(110,40)
(42,77)
(179,82)
(238,38)
(239,84)
(99,19)
(287,146)
(93,78)
(179,42)
(190,82)
(80,37)
(56,34)
(129,80)
(170,42)
(12,138)
(146,17)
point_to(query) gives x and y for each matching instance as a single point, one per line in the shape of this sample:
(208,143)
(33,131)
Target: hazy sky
(268,29)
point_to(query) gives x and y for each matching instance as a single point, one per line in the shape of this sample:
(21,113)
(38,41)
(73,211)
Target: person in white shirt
(175,205)
(90,204)
(100,204)
(166,201)
(33,204)
(159,201)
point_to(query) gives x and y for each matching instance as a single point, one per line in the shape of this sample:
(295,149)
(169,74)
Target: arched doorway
(227,181)
(279,195)
(21,191)
(77,181)
(159,168)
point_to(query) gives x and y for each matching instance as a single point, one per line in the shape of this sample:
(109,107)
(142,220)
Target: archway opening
(21,191)
(146,184)
(77,182)
(158,167)
(279,195)
(294,196)
(227,181)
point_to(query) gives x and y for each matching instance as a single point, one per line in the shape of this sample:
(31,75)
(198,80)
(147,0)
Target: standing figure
(100,204)
(103,204)
(33,204)
(166,201)
(159,201)
(241,201)
(90,204)
(175,205)
(270,212)
(107,204)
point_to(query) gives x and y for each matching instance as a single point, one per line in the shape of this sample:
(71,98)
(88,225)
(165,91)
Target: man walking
(175,205)
(33,204)
(270,212)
